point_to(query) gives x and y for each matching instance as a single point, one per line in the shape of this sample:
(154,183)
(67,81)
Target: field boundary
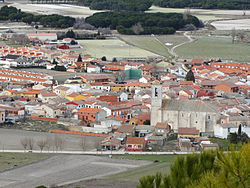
(34,117)
(78,133)
(120,38)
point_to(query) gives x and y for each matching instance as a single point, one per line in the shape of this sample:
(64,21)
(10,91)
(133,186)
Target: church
(182,113)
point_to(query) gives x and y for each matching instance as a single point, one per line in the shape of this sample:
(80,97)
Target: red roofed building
(184,132)
(227,87)
(184,82)
(88,114)
(135,144)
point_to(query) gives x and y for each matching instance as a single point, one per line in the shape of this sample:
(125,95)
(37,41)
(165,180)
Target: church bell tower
(156,102)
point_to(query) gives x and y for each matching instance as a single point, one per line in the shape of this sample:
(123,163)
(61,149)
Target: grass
(112,48)
(151,43)
(172,39)
(223,143)
(134,175)
(215,47)
(14,160)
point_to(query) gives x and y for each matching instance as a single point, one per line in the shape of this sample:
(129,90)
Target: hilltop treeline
(127,5)
(54,20)
(206,4)
(142,23)
(142,5)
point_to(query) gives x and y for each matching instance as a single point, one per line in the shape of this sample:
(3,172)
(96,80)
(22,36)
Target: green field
(134,175)
(112,48)
(172,39)
(14,160)
(150,43)
(215,47)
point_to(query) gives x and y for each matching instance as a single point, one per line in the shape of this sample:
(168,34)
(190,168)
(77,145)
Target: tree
(24,143)
(190,76)
(79,59)
(104,58)
(41,144)
(232,170)
(49,143)
(233,34)
(20,39)
(54,62)
(208,169)
(30,144)
(82,143)
(137,28)
(58,142)
(70,34)
(147,122)
(235,138)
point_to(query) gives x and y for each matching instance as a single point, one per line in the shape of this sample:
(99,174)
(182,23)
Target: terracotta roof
(188,131)
(135,140)
(186,82)
(162,126)
(90,110)
(125,129)
(48,94)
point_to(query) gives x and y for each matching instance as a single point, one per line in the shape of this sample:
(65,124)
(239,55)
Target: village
(134,104)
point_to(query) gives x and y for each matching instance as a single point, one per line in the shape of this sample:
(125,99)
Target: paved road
(65,169)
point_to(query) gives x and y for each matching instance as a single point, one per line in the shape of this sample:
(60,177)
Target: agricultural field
(215,47)
(161,164)
(241,24)
(150,43)
(112,48)
(14,160)
(172,40)
(61,9)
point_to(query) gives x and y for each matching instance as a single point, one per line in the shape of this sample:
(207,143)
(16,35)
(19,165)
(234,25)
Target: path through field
(65,169)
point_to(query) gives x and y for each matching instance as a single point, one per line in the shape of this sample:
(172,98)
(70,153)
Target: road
(65,169)
(171,51)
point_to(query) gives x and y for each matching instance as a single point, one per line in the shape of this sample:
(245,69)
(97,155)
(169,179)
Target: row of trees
(142,23)
(54,20)
(209,169)
(207,4)
(118,5)
(55,143)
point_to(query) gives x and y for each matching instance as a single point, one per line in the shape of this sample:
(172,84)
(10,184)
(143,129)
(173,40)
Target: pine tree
(190,76)
(79,59)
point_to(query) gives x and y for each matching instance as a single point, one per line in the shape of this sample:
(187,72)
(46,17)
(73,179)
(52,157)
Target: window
(129,146)
(139,146)
(156,92)
(208,117)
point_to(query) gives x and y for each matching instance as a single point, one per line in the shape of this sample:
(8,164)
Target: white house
(223,130)
(123,96)
(93,69)
(143,80)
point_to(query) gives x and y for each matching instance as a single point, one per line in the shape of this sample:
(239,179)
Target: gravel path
(65,169)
